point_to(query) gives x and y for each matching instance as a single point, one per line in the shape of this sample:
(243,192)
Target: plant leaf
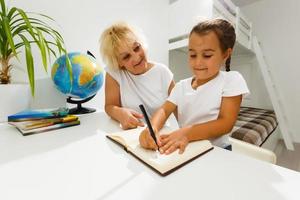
(41,14)
(9,35)
(48,50)
(59,46)
(42,49)
(29,62)
(11,12)
(26,20)
(3,7)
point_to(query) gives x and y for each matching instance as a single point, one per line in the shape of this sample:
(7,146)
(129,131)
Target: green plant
(20,30)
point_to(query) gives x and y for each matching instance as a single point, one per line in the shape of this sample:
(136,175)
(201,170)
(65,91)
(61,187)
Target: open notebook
(162,164)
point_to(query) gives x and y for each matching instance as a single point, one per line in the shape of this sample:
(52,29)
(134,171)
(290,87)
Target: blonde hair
(115,36)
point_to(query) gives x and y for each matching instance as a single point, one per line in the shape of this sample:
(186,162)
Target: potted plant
(19,31)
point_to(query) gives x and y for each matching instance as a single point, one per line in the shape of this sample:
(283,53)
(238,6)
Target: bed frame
(180,25)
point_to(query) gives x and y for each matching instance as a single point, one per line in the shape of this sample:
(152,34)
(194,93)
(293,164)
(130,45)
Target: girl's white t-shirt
(201,105)
(149,89)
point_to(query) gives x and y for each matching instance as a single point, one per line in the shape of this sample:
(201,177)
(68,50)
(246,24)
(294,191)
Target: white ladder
(274,95)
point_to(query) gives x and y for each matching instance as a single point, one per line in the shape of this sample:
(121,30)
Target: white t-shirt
(149,89)
(203,104)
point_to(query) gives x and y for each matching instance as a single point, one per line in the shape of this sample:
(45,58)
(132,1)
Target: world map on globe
(87,75)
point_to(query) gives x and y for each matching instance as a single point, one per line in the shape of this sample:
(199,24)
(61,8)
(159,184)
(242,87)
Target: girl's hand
(130,118)
(175,140)
(146,140)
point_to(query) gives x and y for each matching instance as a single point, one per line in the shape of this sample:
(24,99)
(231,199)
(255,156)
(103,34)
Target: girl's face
(205,56)
(132,57)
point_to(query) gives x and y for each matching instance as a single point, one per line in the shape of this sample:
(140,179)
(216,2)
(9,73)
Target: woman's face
(205,56)
(132,57)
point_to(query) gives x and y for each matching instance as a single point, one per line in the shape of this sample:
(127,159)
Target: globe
(87,75)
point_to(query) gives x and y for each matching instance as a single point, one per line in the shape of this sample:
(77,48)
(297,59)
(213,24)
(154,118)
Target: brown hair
(224,31)
(115,36)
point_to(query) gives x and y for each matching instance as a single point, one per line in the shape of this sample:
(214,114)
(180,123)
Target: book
(34,124)
(160,163)
(38,126)
(28,115)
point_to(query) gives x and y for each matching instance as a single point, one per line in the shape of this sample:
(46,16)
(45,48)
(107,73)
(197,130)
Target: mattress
(254,125)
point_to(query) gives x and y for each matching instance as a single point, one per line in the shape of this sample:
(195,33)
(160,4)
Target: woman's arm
(112,96)
(229,110)
(127,117)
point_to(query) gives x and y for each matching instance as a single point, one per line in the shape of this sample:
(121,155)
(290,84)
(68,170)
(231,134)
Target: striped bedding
(254,125)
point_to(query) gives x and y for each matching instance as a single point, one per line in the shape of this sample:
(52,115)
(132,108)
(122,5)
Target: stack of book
(36,121)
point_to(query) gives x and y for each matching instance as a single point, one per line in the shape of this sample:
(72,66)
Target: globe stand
(79,109)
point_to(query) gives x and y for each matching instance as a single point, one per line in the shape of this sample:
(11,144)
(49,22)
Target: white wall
(178,64)
(277,27)
(81,23)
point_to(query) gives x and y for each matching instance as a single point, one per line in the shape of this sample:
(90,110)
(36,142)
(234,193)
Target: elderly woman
(131,79)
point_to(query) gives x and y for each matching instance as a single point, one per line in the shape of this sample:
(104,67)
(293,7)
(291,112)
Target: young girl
(207,103)
(131,79)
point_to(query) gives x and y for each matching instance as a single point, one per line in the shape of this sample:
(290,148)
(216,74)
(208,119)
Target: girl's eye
(193,56)
(207,56)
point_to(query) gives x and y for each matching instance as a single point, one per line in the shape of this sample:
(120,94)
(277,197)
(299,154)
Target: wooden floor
(287,158)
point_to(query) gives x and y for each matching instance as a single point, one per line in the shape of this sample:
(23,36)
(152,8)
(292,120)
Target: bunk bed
(254,125)
(195,10)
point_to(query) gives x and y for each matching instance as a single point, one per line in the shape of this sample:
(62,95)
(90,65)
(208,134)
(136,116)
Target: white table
(80,163)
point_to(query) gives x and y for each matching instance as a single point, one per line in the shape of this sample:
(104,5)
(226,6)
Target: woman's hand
(175,140)
(130,118)
(146,140)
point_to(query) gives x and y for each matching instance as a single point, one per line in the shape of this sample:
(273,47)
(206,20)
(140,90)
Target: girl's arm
(127,117)
(172,85)
(179,139)
(158,120)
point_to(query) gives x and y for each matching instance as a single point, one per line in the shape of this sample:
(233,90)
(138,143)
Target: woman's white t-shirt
(149,89)
(203,104)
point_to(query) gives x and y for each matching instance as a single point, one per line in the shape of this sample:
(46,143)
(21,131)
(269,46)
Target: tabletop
(81,163)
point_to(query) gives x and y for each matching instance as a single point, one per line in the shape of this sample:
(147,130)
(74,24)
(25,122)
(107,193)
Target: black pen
(148,124)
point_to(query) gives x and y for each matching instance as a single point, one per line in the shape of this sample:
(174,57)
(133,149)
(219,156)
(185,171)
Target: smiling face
(206,56)
(132,57)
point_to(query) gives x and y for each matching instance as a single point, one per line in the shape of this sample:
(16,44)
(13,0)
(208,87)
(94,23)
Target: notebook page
(164,163)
